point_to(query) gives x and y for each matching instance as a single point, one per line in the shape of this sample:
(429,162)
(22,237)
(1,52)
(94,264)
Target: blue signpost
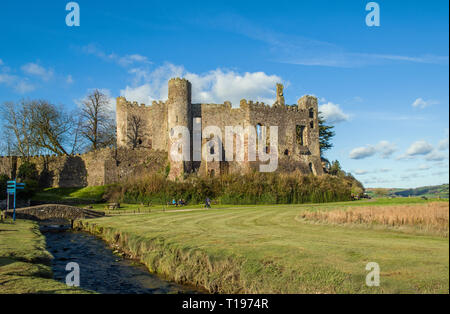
(11,189)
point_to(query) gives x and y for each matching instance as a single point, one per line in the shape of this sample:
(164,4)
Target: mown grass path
(264,249)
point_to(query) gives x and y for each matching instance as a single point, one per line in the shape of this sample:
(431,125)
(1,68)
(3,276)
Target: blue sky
(384,88)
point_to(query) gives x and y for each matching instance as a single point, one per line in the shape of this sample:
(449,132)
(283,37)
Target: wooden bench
(112,206)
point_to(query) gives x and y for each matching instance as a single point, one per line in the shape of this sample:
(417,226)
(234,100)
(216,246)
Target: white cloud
(141,94)
(24,87)
(435,156)
(19,84)
(424,149)
(361,172)
(124,61)
(384,148)
(443,144)
(362,152)
(332,113)
(6,78)
(423,167)
(37,70)
(294,49)
(421,103)
(130,59)
(215,86)
(419,148)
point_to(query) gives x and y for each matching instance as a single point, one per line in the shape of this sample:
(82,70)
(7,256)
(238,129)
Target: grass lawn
(363,202)
(266,249)
(24,261)
(91,194)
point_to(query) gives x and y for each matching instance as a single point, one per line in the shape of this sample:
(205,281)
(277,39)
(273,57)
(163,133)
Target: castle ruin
(141,126)
(143,141)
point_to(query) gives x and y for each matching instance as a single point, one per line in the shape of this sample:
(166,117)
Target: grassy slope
(434,191)
(88,194)
(24,261)
(257,249)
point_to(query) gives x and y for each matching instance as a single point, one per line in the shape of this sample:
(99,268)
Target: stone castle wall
(178,110)
(101,167)
(296,152)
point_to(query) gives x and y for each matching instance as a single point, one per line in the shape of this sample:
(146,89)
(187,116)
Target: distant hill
(427,191)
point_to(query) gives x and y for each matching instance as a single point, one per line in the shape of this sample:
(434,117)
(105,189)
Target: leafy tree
(335,168)
(326,133)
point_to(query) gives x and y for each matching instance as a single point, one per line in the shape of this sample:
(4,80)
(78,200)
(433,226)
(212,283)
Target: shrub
(28,171)
(3,180)
(251,188)
(31,187)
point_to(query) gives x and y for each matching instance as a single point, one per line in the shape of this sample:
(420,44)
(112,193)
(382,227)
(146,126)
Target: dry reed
(432,217)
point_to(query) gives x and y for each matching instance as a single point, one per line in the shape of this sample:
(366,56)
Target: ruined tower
(309,105)
(280,95)
(179,115)
(122,121)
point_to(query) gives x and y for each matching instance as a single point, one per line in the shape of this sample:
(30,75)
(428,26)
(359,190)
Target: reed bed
(431,217)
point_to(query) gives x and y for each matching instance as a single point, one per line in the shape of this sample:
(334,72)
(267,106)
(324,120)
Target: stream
(101,270)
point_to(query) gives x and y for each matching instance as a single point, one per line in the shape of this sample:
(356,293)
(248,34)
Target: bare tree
(37,126)
(136,125)
(16,119)
(51,127)
(98,123)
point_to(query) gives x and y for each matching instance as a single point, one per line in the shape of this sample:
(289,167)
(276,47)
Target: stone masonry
(298,129)
(143,140)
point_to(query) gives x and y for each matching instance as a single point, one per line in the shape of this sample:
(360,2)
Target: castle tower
(121,121)
(280,95)
(179,114)
(310,106)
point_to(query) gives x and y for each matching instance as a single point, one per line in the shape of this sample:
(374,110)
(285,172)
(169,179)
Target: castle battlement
(178,79)
(149,129)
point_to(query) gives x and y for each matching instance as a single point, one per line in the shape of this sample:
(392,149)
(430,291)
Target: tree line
(39,127)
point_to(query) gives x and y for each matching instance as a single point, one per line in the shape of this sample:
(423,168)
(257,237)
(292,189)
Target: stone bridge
(53,211)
